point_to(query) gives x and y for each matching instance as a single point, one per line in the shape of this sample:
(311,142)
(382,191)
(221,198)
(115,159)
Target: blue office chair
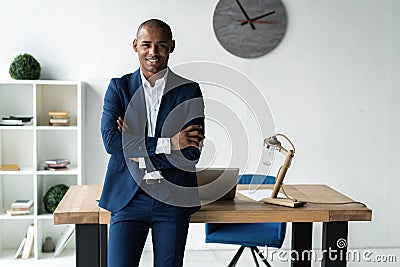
(248,235)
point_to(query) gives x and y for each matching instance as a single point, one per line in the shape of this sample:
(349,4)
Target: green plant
(25,67)
(53,196)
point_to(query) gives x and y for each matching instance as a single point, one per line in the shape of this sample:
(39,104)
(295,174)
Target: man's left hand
(123,127)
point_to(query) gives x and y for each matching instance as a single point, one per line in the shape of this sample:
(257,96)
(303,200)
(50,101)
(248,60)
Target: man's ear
(135,45)
(172,48)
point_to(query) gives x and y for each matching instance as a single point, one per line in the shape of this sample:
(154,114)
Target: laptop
(217,183)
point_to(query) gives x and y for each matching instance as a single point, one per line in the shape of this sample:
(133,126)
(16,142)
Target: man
(152,125)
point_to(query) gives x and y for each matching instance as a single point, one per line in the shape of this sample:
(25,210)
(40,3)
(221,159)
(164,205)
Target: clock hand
(256,18)
(259,21)
(245,14)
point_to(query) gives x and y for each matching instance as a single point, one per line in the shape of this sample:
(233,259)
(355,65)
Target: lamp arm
(287,139)
(283,150)
(282,172)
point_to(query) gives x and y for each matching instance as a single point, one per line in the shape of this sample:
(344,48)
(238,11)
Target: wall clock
(249,28)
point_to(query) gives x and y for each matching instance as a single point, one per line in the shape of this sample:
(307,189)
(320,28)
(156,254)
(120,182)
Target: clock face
(249,28)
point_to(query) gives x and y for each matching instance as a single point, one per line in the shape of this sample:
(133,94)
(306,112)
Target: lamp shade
(272,142)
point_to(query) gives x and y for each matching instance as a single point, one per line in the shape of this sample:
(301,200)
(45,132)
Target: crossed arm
(185,144)
(190,136)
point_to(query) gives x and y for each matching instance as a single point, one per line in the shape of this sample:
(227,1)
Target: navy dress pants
(130,226)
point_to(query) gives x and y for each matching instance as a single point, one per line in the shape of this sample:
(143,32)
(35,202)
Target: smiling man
(153,47)
(152,126)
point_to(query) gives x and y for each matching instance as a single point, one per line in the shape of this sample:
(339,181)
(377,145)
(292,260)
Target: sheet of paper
(258,194)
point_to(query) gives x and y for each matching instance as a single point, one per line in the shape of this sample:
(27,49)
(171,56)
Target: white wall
(332,84)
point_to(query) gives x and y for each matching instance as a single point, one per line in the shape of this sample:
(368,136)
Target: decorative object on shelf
(20,248)
(10,167)
(272,144)
(22,118)
(53,196)
(56,164)
(20,207)
(59,118)
(48,245)
(57,161)
(250,28)
(9,122)
(25,67)
(13,120)
(28,247)
(63,240)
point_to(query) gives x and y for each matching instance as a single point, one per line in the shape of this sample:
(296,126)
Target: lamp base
(283,202)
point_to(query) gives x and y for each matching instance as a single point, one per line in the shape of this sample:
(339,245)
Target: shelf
(29,146)
(56,128)
(22,127)
(7,254)
(46,216)
(24,171)
(72,170)
(19,217)
(66,253)
(35,82)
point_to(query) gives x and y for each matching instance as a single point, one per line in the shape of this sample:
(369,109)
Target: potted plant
(25,67)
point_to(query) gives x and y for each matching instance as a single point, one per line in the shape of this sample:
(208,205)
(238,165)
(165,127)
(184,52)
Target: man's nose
(153,50)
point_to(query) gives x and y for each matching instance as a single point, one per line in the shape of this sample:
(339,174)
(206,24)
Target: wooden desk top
(79,206)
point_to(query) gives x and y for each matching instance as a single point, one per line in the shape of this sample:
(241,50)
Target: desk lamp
(272,144)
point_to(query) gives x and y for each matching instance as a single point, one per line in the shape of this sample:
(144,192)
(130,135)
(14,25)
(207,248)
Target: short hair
(158,24)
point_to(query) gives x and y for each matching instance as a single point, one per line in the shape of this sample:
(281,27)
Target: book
(26,253)
(17,212)
(11,122)
(20,247)
(57,161)
(59,114)
(47,168)
(23,118)
(63,240)
(20,209)
(22,203)
(58,124)
(59,120)
(59,165)
(10,167)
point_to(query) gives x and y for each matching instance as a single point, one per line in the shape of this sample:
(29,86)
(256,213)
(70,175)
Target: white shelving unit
(29,146)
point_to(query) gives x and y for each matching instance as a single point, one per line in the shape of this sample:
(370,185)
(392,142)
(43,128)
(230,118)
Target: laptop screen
(217,183)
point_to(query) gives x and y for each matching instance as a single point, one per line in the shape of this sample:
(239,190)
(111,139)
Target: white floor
(209,258)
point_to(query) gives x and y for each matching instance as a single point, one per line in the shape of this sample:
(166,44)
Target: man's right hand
(121,125)
(190,136)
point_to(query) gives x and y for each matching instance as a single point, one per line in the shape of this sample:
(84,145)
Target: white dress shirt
(153,96)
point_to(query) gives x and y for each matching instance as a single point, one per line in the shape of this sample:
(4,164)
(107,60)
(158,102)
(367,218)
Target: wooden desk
(79,207)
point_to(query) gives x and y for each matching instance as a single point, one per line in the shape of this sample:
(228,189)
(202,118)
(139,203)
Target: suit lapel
(135,83)
(168,101)
(137,115)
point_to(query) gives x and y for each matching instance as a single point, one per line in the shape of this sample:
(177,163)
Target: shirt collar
(159,83)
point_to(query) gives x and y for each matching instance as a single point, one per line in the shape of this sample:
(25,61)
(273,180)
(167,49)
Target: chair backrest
(251,179)
(256,179)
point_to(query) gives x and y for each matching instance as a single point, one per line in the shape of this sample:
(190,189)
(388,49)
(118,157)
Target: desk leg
(103,233)
(91,245)
(334,244)
(301,241)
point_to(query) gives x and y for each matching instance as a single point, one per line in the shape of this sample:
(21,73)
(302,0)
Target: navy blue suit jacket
(181,105)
